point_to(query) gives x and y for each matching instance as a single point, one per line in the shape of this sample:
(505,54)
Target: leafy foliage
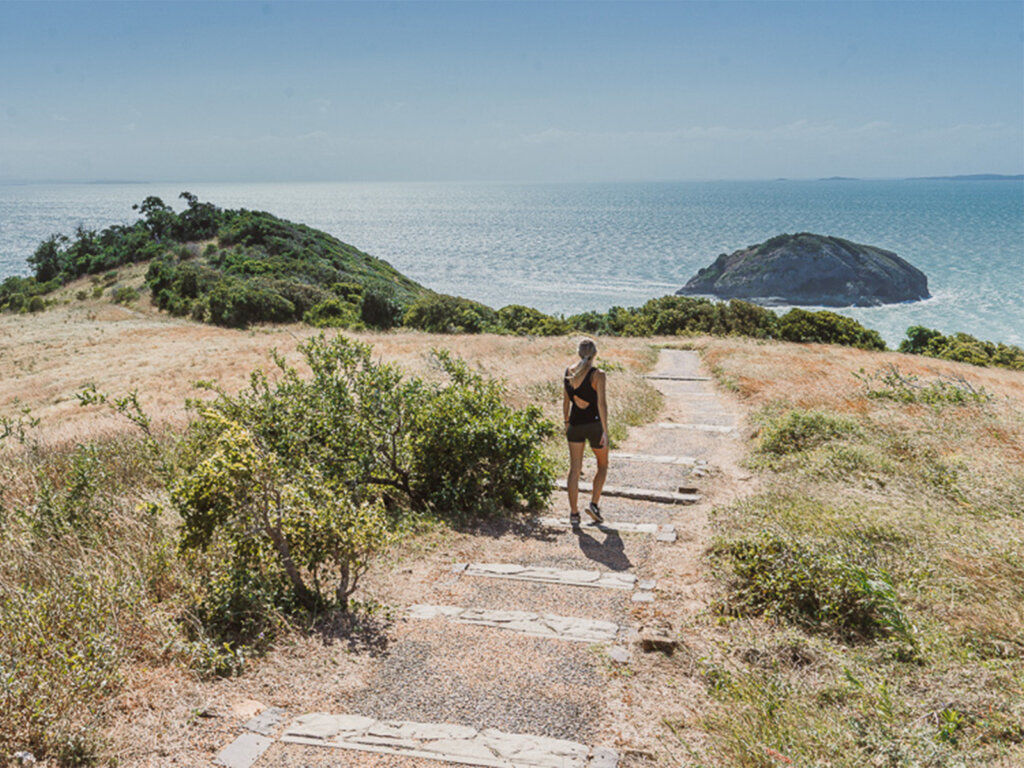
(292,484)
(961,347)
(891,384)
(24,294)
(816,587)
(257,267)
(798,430)
(441,313)
(288,532)
(827,328)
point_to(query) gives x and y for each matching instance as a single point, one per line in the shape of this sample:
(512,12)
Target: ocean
(568,248)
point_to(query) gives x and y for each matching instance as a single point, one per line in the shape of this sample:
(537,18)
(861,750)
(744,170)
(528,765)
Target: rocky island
(805,268)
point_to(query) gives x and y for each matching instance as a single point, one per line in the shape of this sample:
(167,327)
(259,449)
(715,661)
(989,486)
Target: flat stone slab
(266,721)
(649,458)
(640,494)
(571,578)
(607,525)
(720,428)
(670,377)
(447,742)
(526,622)
(243,751)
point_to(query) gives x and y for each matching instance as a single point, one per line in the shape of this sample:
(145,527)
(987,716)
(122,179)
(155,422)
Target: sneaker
(595,512)
(574,519)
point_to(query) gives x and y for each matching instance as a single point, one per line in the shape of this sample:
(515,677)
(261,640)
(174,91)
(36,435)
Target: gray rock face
(811,269)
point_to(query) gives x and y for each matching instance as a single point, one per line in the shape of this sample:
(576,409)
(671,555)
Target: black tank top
(586,392)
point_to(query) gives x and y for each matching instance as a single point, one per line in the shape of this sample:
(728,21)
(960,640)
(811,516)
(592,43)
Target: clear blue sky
(518,91)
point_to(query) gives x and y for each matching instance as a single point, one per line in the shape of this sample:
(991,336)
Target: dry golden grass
(46,359)
(930,493)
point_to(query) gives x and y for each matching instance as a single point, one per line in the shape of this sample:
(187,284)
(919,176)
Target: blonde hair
(587,351)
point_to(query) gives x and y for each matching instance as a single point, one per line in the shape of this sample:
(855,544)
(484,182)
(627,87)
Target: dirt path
(522,648)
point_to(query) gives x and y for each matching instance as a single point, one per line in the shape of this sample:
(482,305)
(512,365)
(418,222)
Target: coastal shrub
(284,528)
(124,294)
(798,430)
(77,601)
(470,452)
(450,445)
(441,313)
(333,313)
(261,269)
(527,321)
(35,304)
(823,327)
(816,586)
(890,383)
(961,347)
(380,309)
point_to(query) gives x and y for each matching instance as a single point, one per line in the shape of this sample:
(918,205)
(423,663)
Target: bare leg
(575,466)
(601,454)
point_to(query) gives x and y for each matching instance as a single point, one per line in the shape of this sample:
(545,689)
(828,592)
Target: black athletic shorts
(591,431)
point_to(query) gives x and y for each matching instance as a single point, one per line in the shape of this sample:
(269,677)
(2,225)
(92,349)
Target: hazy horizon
(508,92)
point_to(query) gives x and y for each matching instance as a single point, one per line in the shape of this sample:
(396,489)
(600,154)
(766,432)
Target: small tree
(293,528)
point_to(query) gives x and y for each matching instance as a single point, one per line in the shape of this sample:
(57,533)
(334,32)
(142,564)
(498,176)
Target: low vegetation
(869,611)
(199,548)
(961,347)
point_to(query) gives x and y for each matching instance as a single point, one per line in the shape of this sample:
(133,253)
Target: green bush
(890,384)
(294,482)
(813,585)
(290,532)
(333,313)
(961,347)
(471,453)
(523,321)
(797,430)
(36,304)
(124,294)
(440,313)
(825,327)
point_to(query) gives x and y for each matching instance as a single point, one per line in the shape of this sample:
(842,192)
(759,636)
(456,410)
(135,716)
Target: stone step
(243,751)
(698,427)
(528,623)
(648,458)
(641,494)
(543,574)
(666,532)
(445,742)
(671,377)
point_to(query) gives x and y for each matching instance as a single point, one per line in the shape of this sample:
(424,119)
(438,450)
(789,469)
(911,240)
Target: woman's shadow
(609,552)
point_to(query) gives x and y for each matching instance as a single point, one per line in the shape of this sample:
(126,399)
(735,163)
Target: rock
(247,708)
(658,638)
(811,269)
(618,654)
(24,758)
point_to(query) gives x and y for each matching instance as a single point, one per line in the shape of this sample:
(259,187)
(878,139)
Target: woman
(586,420)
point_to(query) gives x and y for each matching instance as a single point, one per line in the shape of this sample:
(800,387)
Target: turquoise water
(568,248)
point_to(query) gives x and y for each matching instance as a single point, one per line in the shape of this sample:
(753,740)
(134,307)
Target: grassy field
(871,604)
(96,603)
(870,584)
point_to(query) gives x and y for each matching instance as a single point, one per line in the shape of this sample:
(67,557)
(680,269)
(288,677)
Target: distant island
(806,268)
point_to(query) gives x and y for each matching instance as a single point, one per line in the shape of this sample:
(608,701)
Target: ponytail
(587,351)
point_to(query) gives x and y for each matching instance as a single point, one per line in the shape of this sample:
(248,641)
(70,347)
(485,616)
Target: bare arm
(602,406)
(565,406)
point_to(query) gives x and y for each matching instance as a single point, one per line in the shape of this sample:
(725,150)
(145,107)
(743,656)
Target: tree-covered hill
(235,267)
